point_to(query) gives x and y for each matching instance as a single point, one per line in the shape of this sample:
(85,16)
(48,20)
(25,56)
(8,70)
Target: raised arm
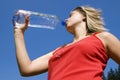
(26,66)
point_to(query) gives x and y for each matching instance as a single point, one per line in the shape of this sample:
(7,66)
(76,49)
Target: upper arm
(113,47)
(38,65)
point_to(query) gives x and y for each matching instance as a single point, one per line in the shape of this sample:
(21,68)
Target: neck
(80,32)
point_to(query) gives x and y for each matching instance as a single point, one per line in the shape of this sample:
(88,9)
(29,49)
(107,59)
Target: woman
(83,59)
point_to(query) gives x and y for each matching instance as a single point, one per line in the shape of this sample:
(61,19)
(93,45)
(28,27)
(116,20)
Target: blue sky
(41,41)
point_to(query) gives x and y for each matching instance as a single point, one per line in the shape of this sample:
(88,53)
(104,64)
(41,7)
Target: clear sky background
(41,41)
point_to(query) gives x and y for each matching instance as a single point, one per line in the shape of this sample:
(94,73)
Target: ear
(84,19)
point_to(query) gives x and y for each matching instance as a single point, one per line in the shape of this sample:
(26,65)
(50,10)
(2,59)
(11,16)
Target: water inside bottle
(37,20)
(43,21)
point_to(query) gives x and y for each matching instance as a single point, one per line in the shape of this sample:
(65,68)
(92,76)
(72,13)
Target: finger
(13,20)
(26,20)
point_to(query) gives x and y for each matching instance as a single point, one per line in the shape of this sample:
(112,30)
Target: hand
(22,26)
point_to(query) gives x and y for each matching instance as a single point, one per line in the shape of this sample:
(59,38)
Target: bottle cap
(63,23)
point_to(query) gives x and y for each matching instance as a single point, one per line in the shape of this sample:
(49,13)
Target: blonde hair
(94,21)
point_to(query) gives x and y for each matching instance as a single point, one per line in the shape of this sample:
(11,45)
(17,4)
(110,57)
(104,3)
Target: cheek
(78,19)
(75,21)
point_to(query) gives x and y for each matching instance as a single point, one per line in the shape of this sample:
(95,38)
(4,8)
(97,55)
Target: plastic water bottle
(37,19)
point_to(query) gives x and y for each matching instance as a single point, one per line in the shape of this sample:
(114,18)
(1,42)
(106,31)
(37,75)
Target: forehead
(73,12)
(78,12)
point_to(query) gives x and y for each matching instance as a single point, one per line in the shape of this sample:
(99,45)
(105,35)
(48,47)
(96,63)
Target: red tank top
(83,60)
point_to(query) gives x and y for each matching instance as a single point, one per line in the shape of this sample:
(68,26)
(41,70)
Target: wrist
(18,30)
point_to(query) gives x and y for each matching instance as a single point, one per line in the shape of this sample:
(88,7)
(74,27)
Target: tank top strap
(94,34)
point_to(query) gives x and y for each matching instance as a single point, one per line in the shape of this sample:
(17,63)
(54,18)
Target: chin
(70,30)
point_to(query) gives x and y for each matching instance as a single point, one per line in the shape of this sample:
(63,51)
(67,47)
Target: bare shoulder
(112,45)
(104,37)
(107,37)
